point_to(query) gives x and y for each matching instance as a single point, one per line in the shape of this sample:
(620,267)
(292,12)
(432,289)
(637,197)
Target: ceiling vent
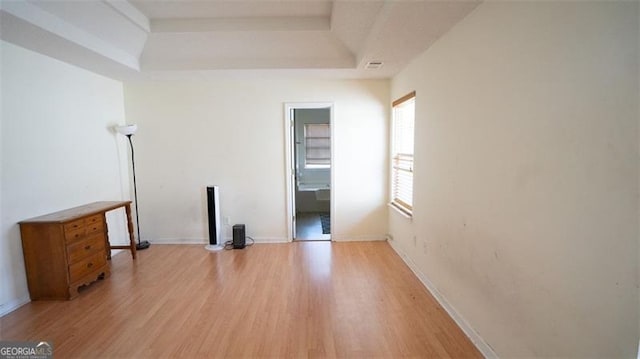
(372,65)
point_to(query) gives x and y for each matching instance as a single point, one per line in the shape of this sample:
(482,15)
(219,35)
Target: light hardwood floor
(303,299)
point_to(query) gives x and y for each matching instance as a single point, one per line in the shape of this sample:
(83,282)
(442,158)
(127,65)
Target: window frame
(401,163)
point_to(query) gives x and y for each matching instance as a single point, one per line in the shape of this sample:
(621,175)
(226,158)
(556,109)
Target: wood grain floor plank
(296,300)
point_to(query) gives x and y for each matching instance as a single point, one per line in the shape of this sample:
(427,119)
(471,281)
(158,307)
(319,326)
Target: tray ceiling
(123,39)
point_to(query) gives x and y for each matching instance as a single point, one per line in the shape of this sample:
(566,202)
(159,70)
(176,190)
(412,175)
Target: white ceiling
(141,38)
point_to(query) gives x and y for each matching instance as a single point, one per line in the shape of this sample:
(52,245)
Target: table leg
(132,240)
(106,236)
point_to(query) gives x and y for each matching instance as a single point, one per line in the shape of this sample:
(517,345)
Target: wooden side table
(68,249)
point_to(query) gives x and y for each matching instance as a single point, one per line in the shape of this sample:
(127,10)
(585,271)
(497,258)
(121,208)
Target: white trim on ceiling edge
(484,348)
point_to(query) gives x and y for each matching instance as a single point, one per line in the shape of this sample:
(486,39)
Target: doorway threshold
(309,228)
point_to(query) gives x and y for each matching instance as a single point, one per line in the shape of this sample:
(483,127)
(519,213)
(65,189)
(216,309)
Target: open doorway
(310,154)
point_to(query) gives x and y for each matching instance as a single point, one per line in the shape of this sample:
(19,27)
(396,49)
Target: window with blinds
(402,153)
(317,145)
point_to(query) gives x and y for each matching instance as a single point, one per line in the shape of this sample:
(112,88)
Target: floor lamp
(129,130)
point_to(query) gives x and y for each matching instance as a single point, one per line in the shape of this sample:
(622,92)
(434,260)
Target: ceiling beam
(131,13)
(364,55)
(286,23)
(32,14)
(29,36)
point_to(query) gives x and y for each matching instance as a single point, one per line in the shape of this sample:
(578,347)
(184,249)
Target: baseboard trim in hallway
(475,338)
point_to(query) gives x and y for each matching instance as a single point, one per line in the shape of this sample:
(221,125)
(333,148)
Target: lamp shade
(127,129)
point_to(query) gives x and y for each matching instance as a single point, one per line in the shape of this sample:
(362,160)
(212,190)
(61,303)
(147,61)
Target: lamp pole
(141,244)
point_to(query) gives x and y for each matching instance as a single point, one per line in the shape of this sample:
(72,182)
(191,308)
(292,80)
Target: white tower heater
(213,209)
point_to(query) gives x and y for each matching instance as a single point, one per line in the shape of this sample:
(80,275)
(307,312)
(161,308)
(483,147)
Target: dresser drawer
(95,227)
(79,229)
(86,266)
(75,234)
(81,249)
(77,224)
(94,219)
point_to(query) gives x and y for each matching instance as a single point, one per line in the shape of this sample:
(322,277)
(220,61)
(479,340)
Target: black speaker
(213,206)
(239,240)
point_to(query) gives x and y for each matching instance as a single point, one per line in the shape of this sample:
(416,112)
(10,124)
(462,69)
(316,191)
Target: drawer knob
(89,265)
(86,248)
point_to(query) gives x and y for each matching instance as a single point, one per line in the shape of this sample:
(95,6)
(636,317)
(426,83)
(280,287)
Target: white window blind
(402,153)
(317,145)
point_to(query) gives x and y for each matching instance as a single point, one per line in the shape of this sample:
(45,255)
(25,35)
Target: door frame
(290,162)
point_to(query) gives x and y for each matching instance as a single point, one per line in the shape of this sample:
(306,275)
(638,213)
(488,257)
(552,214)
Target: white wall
(526,176)
(229,131)
(57,151)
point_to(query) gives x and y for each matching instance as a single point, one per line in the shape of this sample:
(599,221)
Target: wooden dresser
(68,249)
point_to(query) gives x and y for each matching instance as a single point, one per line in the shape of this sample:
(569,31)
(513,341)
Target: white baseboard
(364,238)
(117,251)
(262,240)
(475,338)
(204,241)
(178,241)
(337,238)
(12,305)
